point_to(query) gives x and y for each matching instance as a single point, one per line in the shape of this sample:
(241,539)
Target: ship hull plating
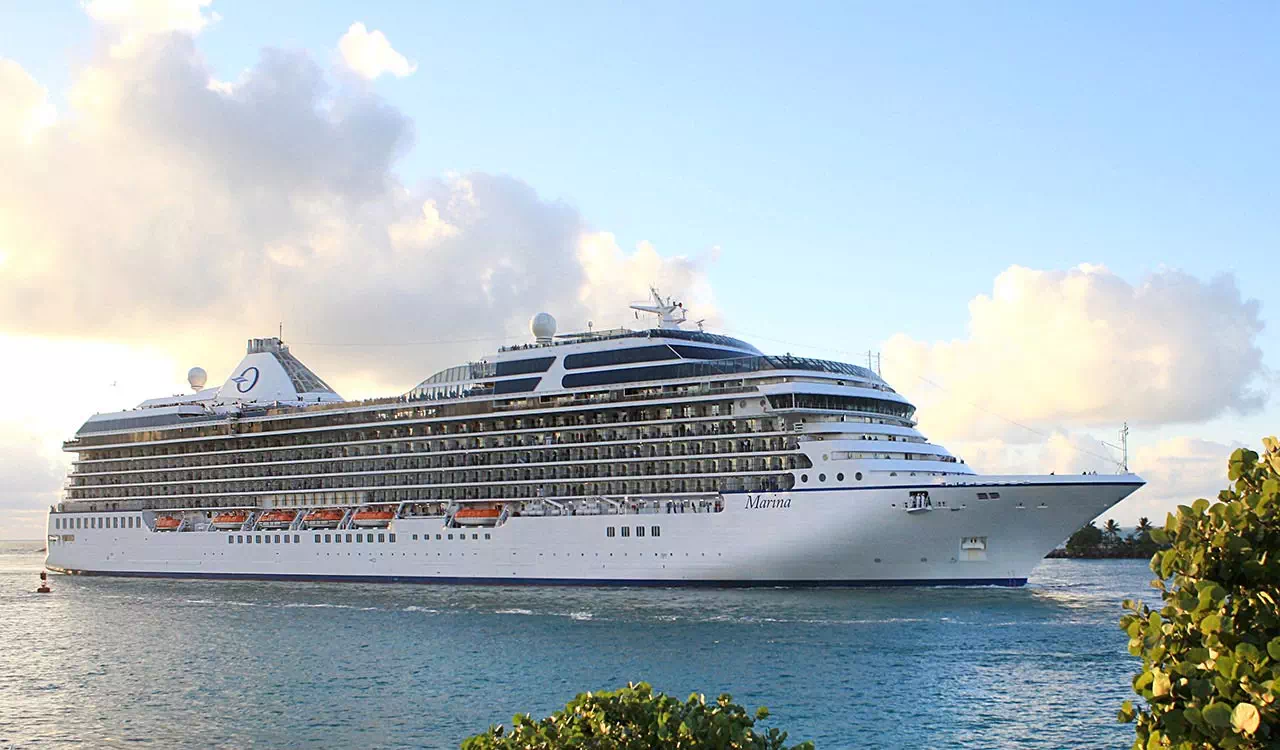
(862,536)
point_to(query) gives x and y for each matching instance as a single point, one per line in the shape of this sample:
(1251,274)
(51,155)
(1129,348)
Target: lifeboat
(325,518)
(477,516)
(277,519)
(167,523)
(229,521)
(372,518)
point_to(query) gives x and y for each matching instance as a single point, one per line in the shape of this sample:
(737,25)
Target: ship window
(391,537)
(295,538)
(822,477)
(804,477)
(278,538)
(475,536)
(382,537)
(286,538)
(348,539)
(609,531)
(450,536)
(327,538)
(639,531)
(266,539)
(655,531)
(231,540)
(359,537)
(626,531)
(438,536)
(840,477)
(115,522)
(415,537)
(486,536)
(982,496)
(858,476)
(995,495)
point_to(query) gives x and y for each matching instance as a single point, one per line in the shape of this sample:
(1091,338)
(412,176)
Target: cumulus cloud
(1085,348)
(26,103)
(369,54)
(131,21)
(164,209)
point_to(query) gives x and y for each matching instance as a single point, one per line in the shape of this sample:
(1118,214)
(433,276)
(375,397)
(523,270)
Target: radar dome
(197,377)
(543,326)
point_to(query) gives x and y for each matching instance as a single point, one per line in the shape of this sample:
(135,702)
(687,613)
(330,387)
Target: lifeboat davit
(229,521)
(167,523)
(477,516)
(372,518)
(277,519)
(325,518)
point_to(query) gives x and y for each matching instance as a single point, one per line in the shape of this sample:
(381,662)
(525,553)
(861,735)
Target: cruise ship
(661,456)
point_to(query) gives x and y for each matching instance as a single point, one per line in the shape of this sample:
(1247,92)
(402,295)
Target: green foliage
(1092,542)
(636,718)
(1084,541)
(1211,655)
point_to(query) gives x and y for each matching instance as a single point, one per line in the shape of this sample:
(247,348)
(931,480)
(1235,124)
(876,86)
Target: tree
(1211,655)
(1085,542)
(636,718)
(1111,530)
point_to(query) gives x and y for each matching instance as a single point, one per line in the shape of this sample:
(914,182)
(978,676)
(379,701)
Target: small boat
(167,523)
(477,516)
(324,518)
(277,519)
(229,521)
(371,517)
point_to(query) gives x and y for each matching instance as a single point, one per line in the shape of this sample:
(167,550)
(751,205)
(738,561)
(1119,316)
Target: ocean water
(116,662)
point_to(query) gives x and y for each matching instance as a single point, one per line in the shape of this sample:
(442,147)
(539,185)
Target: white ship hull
(839,537)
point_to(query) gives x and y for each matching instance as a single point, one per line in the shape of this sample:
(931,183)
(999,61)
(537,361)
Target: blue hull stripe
(992,485)
(861,583)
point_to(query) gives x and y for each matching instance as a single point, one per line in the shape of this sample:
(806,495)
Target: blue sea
(128,662)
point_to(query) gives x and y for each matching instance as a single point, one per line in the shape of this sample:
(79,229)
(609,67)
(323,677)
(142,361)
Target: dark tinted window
(523,366)
(626,356)
(629,375)
(519,385)
(841,403)
(705,352)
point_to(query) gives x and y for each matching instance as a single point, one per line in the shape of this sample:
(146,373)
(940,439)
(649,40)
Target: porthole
(822,477)
(858,476)
(804,477)
(824,457)
(840,477)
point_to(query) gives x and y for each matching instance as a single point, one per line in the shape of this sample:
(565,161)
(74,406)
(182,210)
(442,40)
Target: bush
(1211,656)
(636,718)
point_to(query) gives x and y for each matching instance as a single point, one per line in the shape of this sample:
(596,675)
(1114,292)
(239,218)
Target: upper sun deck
(620,363)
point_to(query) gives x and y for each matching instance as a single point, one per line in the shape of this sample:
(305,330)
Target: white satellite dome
(543,327)
(197,377)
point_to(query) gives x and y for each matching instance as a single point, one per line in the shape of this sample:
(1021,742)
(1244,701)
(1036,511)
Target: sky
(1048,219)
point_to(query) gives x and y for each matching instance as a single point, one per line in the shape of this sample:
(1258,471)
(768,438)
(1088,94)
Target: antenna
(280,331)
(873,362)
(1123,447)
(670,313)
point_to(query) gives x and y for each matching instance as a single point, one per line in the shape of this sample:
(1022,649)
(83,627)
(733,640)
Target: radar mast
(670,313)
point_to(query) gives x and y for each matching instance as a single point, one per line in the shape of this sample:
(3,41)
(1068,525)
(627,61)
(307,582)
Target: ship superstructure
(661,455)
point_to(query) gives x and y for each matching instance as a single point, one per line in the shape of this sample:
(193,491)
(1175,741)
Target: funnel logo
(246,380)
